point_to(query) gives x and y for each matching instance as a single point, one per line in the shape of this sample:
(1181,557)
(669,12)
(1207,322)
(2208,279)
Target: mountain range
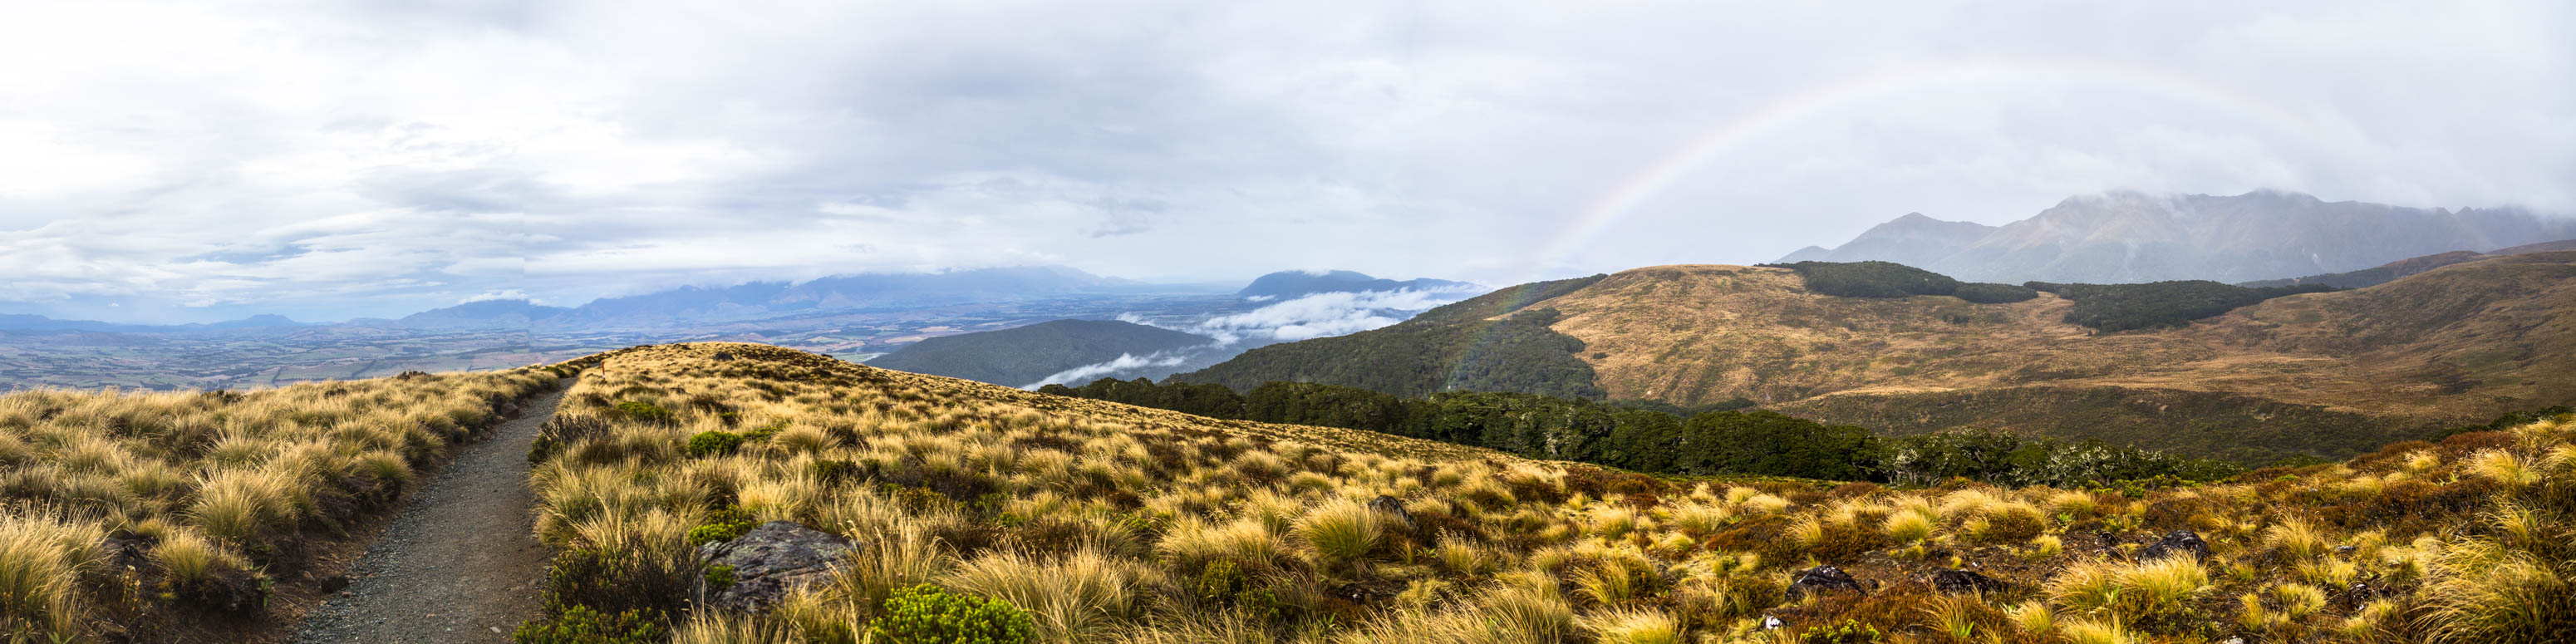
(24,322)
(2389,272)
(1288,285)
(2122,237)
(2322,374)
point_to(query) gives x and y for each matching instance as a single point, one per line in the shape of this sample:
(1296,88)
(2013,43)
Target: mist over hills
(2122,237)
(1031,353)
(1286,306)
(1294,284)
(2388,272)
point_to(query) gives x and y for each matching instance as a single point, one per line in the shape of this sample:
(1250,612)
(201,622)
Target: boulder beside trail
(768,561)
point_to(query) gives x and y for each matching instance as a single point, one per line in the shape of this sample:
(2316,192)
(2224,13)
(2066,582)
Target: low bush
(714,443)
(645,412)
(581,625)
(723,524)
(928,614)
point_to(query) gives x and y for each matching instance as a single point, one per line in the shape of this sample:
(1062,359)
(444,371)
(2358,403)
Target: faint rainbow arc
(1624,198)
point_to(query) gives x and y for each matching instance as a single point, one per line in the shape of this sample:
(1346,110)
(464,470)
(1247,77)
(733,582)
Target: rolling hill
(2323,374)
(1024,355)
(971,512)
(2132,237)
(2388,272)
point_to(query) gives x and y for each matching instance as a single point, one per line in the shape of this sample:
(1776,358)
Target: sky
(172,162)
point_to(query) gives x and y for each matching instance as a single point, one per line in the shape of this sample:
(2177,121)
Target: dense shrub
(1714,440)
(581,625)
(1925,459)
(1871,279)
(1991,293)
(2123,307)
(645,412)
(927,614)
(714,443)
(723,525)
(616,582)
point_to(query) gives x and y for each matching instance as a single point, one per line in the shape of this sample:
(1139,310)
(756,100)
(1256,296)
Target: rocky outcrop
(1964,581)
(2175,543)
(1819,580)
(766,563)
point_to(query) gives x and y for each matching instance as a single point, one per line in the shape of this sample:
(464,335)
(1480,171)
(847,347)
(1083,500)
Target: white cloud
(1324,314)
(391,156)
(1087,373)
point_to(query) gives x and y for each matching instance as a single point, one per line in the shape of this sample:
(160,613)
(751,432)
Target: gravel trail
(459,564)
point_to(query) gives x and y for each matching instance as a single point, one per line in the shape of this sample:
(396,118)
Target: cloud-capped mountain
(1294,284)
(2135,237)
(695,303)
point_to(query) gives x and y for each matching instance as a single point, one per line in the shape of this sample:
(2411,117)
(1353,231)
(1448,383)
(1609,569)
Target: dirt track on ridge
(459,564)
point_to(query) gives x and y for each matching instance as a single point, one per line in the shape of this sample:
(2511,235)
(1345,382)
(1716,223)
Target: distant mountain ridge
(2122,237)
(1294,284)
(2392,271)
(22,322)
(1023,355)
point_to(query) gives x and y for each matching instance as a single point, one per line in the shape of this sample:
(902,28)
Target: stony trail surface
(459,564)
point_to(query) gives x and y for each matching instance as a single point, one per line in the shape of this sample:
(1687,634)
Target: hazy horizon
(333,160)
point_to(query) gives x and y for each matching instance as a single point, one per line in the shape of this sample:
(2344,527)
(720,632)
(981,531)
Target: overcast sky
(186,161)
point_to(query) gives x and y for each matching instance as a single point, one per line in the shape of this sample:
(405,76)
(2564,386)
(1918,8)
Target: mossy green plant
(928,614)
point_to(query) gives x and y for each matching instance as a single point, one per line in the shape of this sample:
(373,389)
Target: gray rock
(1819,580)
(1964,581)
(767,562)
(2178,542)
(1392,507)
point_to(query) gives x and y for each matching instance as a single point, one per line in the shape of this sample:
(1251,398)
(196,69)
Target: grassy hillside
(2324,374)
(181,517)
(1493,342)
(1022,355)
(1041,518)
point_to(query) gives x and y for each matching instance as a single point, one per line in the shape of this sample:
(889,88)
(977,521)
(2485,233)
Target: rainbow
(1623,199)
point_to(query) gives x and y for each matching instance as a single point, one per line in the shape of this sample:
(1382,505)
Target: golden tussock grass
(1122,524)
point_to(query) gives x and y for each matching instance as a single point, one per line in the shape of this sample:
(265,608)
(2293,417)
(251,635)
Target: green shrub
(714,443)
(927,614)
(1223,584)
(1848,632)
(722,525)
(581,625)
(2122,307)
(763,432)
(1991,293)
(617,581)
(645,412)
(1871,279)
(719,577)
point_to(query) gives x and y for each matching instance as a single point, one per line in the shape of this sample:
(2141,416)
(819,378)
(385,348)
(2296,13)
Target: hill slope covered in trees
(2260,376)
(1022,355)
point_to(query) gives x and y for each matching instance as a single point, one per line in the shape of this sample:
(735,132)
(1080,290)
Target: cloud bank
(325,159)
